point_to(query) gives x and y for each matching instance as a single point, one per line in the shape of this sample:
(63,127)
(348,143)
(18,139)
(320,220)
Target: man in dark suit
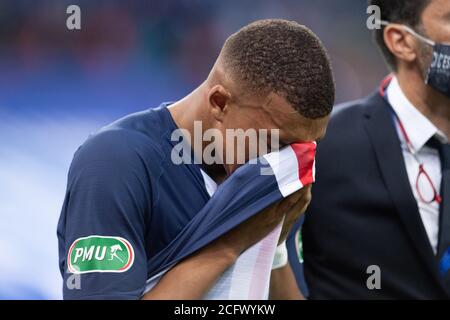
(379,222)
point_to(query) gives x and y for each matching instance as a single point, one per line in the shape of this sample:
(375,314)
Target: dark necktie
(443,252)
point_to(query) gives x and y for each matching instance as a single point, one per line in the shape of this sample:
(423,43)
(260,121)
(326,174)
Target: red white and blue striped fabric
(246,192)
(294,166)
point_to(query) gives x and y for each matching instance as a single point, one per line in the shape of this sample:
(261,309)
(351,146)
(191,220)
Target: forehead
(293,126)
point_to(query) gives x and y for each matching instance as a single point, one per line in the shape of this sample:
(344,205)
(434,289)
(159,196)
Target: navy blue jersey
(130,212)
(119,178)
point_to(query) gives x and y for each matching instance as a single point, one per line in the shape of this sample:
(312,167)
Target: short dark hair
(286,58)
(407,12)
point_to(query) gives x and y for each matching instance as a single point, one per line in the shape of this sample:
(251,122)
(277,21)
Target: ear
(400,42)
(219,100)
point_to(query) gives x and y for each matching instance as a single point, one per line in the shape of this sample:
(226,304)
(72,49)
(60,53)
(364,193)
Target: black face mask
(439,72)
(438,76)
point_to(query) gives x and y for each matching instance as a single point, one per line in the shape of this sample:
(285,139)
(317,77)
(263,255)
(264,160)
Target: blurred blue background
(57,86)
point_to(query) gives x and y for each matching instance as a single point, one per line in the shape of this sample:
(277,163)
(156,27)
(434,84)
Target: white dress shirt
(419,130)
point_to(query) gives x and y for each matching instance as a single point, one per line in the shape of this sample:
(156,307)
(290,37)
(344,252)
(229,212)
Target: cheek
(436,21)
(245,118)
(237,120)
(246,146)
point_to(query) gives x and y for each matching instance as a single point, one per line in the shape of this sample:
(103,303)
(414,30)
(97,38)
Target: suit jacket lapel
(383,135)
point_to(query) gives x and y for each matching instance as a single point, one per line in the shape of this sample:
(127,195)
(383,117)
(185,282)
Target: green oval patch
(100,254)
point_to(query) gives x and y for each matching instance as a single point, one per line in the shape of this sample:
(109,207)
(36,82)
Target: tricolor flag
(250,189)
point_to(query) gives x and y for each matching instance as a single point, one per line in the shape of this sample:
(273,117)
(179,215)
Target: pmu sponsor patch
(100,254)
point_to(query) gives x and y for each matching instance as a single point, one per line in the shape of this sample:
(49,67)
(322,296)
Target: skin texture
(414,57)
(222,103)
(283,285)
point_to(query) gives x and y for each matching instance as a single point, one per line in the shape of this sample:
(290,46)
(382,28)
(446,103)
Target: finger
(294,213)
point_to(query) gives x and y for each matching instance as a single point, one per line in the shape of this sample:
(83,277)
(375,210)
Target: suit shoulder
(346,127)
(347,111)
(349,116)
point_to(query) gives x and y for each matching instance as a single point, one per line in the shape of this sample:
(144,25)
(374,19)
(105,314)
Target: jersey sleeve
(103,220)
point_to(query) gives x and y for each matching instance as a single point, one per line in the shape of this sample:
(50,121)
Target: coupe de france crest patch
(100,254)
(299,245)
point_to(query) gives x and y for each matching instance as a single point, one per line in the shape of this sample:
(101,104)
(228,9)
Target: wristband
(281,256)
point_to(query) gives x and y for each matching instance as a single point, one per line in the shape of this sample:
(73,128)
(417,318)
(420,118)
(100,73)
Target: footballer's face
(269,113)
